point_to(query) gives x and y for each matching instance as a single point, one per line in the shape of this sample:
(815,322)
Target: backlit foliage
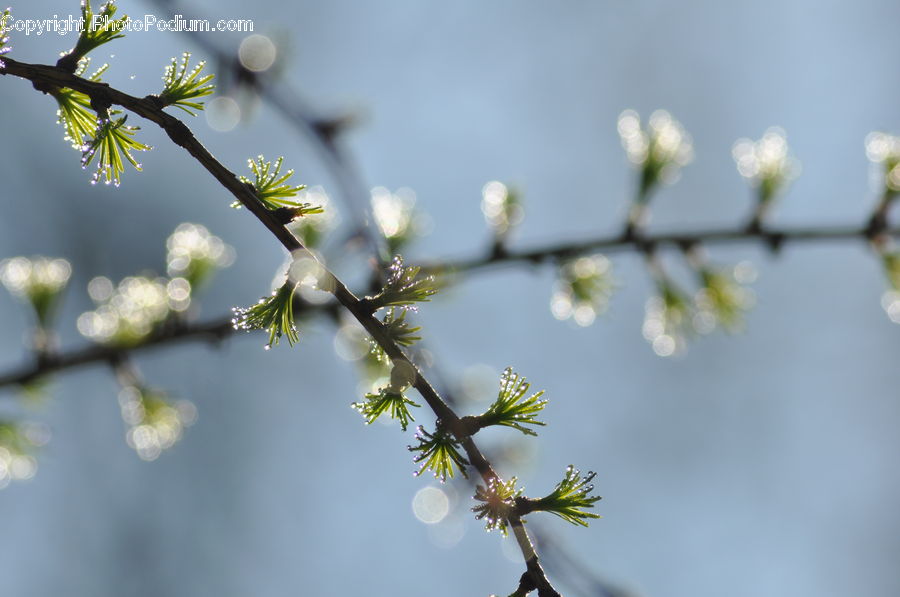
(512,409)
(404,287)
(5,25)
(388,400)
(570,498)
(75,113)
(274,313)
(99,28)
(138,308)
(113,140)
(439,453)
(398,330)
(497,503)
(183,87)
(272,190)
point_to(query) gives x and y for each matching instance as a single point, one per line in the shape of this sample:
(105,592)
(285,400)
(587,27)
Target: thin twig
(772,238)
(220,328)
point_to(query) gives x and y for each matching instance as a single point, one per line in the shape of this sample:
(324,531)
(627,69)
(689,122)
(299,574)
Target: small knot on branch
(775,241)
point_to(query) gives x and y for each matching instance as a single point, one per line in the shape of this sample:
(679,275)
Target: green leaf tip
(4,34)
(403,287)
(570,498)
(272,190)
(498,503)
(183,86)
(98,28)
(274,313)
(438,453)
(75,112)
(510,409)
(388,400)
(398,329)
(112,141)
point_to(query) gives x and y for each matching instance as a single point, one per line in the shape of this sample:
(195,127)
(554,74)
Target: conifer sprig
(438,453)
(510,409)
(274,313)
(99,28)
(399,330)
(4,34)
(388,400)
(75,112)
(404,287)
(113,140)
(182,86)
(498,502)
(569,499)
(271,189)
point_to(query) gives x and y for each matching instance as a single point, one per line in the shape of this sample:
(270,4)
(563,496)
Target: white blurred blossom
(583,289)
(127,313)
(766,163)
(884,151)
(154,423)
(659,151)
(194,254)
(501,207)
(37,281)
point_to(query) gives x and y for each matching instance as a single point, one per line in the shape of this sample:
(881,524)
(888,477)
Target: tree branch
(46,78)
(772,238)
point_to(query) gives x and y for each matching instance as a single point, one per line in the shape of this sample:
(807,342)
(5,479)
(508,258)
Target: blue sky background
(759,464)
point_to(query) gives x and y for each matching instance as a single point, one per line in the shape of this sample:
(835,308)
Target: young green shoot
(75,112)
(274,313)
(113,140)
(182,87)
(403,288)
(387,400)
(438,453)
(98,28)
(399,330)
(498,502)
(5,27)
(510,409)
(272,190)
(569,499)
